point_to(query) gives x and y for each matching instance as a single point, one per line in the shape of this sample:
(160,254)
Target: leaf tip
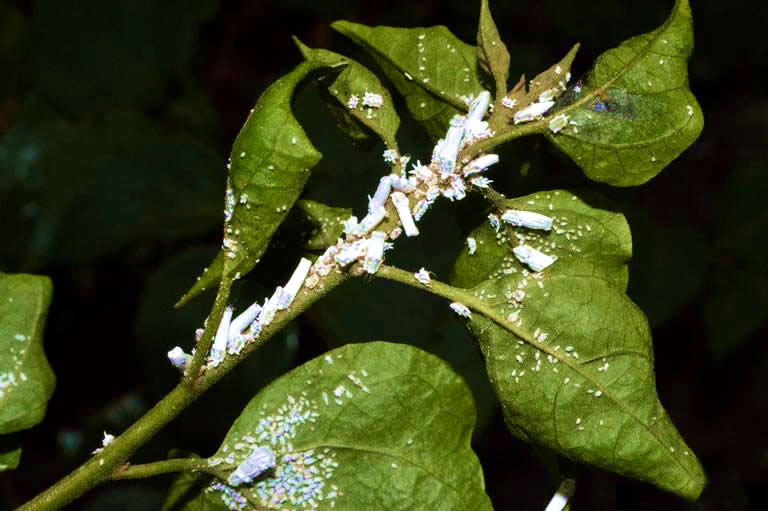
(303,48)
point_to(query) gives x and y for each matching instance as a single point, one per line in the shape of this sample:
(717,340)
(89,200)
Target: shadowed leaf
(327,221)
(349,88)
(433,70)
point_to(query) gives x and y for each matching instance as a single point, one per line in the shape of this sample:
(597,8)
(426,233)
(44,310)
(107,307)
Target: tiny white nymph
(535,260)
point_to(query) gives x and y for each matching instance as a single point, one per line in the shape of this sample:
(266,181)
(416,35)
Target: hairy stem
(109,461)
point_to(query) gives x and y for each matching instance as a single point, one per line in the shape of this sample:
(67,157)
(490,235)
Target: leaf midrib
(528,338)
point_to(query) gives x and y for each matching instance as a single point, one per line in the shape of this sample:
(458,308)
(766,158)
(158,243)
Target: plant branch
(455,294)
(509,133)
(109,460)
(211,325)
(166,467)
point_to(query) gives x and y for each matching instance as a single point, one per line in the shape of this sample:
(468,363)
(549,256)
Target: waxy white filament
(294,284)
(403,210)
(222,336)
(536,260)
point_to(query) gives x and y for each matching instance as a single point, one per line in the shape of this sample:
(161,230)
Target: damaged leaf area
(634,113)
(366,426)
(568,353)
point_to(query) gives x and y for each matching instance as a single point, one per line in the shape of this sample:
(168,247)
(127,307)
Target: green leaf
(9,459)
(492,53)
(355,80)
(327,222)
(366,426)
(432,69)
(568,353)
(635,112)
(26,379)
(269,165)
(552,81)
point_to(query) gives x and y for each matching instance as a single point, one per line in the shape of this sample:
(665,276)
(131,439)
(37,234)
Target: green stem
(510,133)
(109,461)
(454,294)
(165,467)
(211,325)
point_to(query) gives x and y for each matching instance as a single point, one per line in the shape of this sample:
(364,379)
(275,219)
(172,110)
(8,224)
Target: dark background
(116,120)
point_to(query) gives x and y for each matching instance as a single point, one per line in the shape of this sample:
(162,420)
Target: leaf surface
(269,165)
(327,222)
(430,67)
(634,113)
(568,353)
(9,459)
(366,426)
(492,53)
(26,379)
(349,88)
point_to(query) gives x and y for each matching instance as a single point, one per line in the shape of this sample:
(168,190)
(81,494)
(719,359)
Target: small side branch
(204,345)
(166,467)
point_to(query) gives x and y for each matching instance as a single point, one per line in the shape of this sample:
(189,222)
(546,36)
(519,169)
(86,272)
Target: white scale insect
(564,493)
(535,260)
(400,201)
(527,219)
(259,461)
(422,276)
(532,111)
(178,357)
(471,245)
(461,309)
(374,252)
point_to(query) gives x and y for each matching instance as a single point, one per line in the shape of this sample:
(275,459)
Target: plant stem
(212,324)
(109,461)
(510,133)
(164,467)
(455,294)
